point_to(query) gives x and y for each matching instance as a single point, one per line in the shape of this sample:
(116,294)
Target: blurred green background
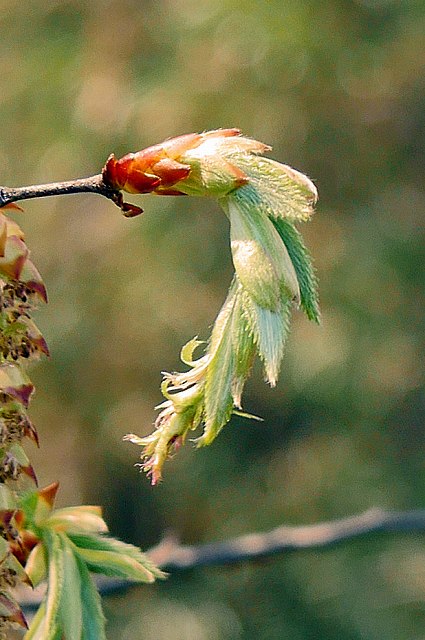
(338,89)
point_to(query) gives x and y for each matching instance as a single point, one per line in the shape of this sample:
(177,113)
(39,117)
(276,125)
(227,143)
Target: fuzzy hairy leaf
(280,190)
(36,565)
(303,265)
(244,350)
(260,257)
(49,628)
(78,520)
(219,374)
(87,542)
(70,609)
(93,618)
(111,563)
(269,330)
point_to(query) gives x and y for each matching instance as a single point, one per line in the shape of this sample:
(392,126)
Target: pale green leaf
(269,330)
(280,191)
(36,629)
(49,628)
(244,351)
(78,519)
(249,416)
(219,374)
(186,354)
(303,265)
(36,565)
(111,545)
(222,320)
(18,452)
(93,618)
(111,563)
(261,260)
(4,549)
(70,607)
(7,498)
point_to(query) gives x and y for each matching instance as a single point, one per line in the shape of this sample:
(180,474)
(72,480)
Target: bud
(262,199)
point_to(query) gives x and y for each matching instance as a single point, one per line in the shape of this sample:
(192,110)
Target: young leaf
(273,270)
(15,254)
(78,520)
(244,350)
(111,563)
(219,374)
(103,544)
(7,499)
(10,611)
(70,607)
(280,190)
(15,383)
(50,628)
(261,260)
(270,330)
(303,265)
(36,565)
(93,618)
(35,632)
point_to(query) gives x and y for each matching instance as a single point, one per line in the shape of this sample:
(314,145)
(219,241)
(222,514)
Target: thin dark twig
(170,555)
(94,184)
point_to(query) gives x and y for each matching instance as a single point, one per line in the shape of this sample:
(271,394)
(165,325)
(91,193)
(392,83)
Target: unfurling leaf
(261,259)
(36,565)
(93,618)
(80,519)
(303,266)
(70,544)
(115,558)
(269,330)
(219,375)
(262,199)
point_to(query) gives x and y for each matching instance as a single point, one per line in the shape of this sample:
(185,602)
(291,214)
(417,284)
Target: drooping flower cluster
(36,542)
(263,200)
(21,288)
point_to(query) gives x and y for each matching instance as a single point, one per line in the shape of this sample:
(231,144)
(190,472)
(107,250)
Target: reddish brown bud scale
(6,516)
(31,433)
(28,470)
(156,169)
(176,146)
(12,611)
(170,171)
(23,548)
(48,494)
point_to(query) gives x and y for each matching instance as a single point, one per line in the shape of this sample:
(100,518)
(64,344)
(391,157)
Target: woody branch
(170,555)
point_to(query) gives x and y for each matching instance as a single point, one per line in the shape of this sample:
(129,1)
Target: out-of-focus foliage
(338,89)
